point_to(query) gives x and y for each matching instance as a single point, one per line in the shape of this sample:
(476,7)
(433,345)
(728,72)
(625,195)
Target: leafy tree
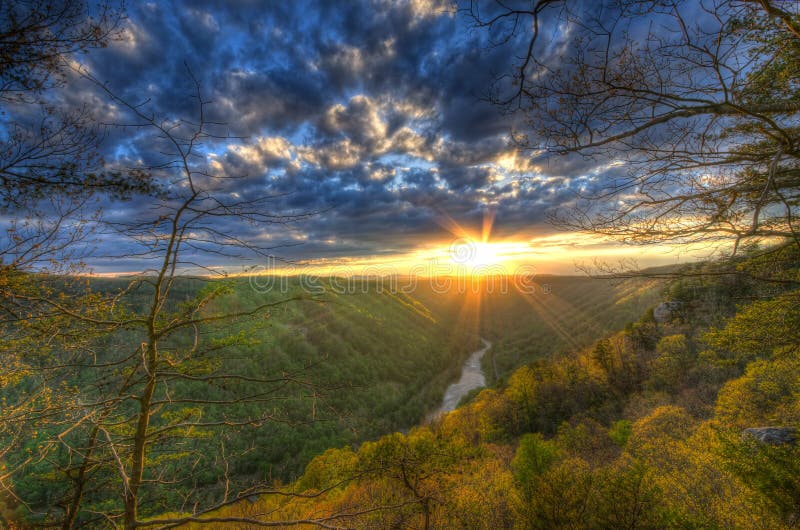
(415,467)
(533,458)
(765,395)
(620,431)
(628,498)
(666,422)
(672,362)
(564,496)
(603,355)
(758,330)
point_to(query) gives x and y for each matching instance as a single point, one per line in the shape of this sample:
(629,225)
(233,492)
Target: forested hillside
(563,314)
(324,367)
(249,251)
(661,425)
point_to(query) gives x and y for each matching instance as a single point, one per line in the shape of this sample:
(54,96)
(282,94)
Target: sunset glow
(400,264)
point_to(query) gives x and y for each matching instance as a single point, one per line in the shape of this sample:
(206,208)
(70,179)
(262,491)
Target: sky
(370,115)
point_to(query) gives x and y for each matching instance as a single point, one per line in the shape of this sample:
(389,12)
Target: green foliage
(673,360)
(771,470)
(533,458)
(758,329)
(620,431)
(767,394)
(300,378)
(627,497)
(636,421)
(563,494)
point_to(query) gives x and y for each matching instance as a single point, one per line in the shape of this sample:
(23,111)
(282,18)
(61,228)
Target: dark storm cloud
(368,112)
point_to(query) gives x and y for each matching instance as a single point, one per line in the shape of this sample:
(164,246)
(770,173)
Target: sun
(485,254)
(470,253)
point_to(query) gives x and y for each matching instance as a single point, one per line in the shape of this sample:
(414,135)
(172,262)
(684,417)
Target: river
(472,377)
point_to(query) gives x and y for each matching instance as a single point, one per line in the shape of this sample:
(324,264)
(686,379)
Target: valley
(329,369)
(642,429)
(408,265)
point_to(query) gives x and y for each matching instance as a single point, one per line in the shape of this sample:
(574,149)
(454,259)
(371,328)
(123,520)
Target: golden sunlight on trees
(180,397)
(765,395)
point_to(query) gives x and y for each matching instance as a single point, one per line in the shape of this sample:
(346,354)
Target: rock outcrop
(772,435)
(667,311)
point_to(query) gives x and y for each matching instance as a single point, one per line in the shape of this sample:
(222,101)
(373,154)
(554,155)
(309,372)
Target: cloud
(360,120)
(264,151)
(370,112)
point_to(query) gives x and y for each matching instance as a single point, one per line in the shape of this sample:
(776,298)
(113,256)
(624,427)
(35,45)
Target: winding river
(472,377)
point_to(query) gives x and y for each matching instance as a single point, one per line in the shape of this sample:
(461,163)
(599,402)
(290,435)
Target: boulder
(666,311)
(772,435)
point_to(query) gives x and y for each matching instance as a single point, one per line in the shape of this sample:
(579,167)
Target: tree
(758,330)
(765,395)
(771,470)
(564,497)
(627,498)
(672,362)
(691,107)
(49,168)
(414,468)
(534,456)
(112,420)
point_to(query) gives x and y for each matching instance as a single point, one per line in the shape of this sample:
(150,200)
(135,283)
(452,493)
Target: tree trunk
(140,439)
(74,506)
